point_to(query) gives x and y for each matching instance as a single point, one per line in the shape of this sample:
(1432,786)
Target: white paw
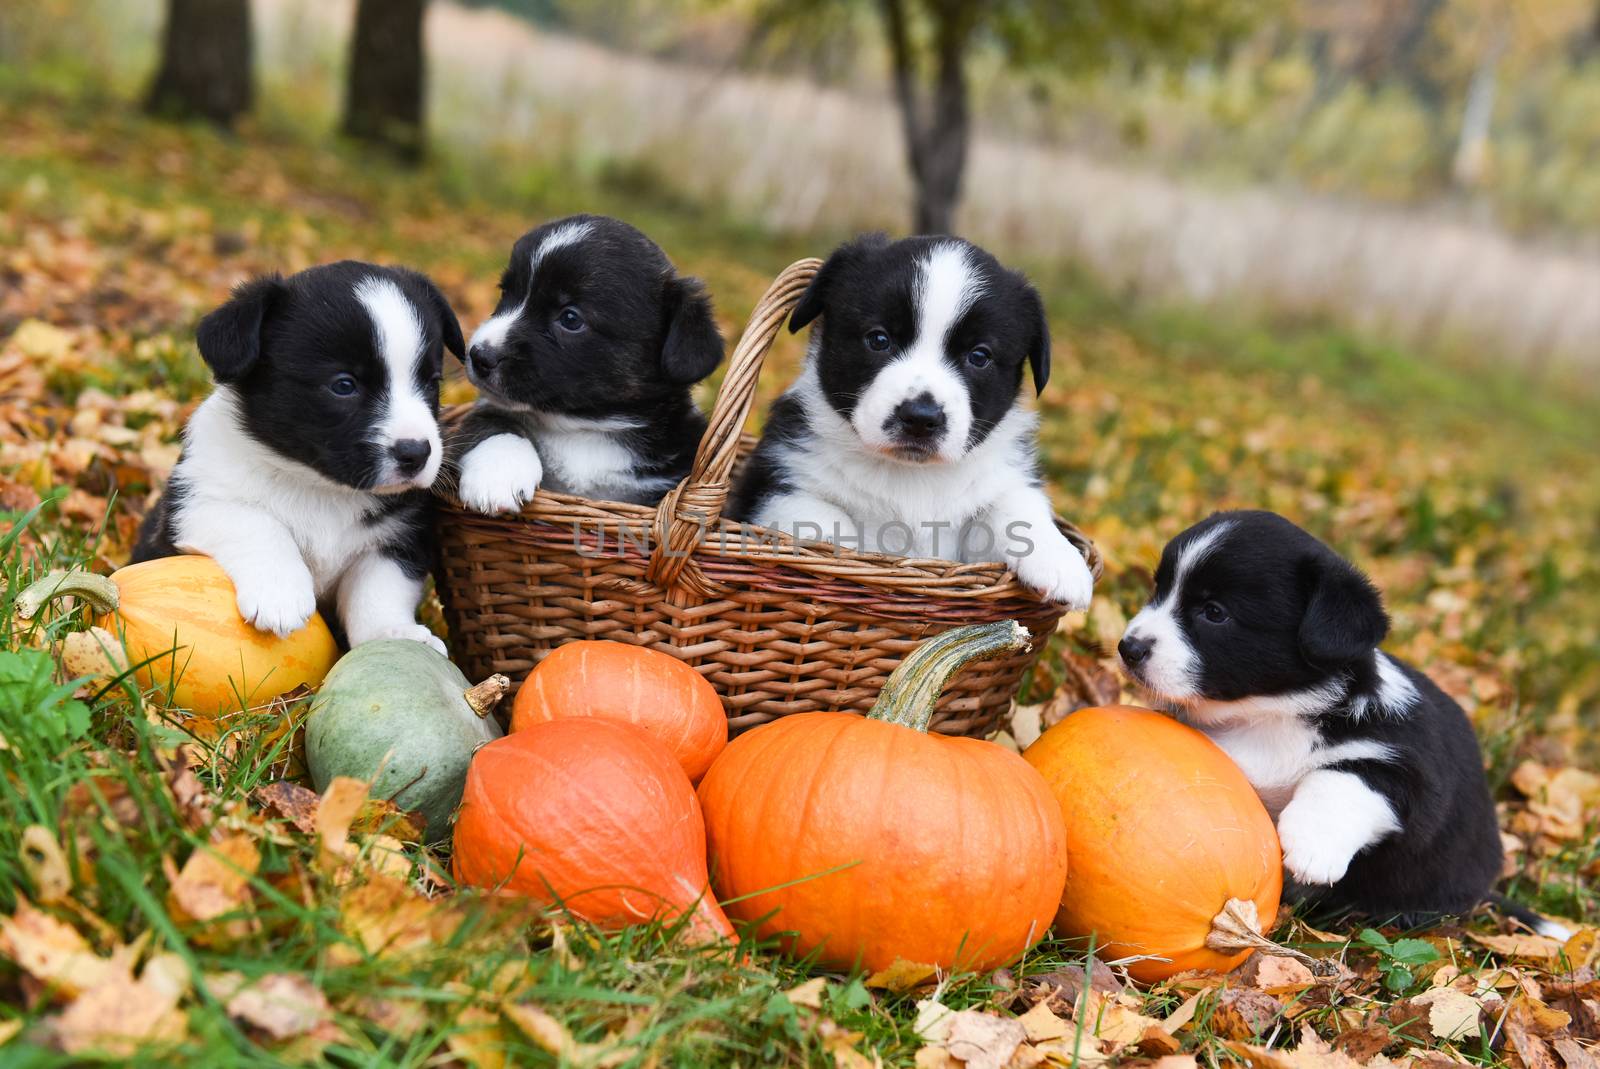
(272,601)
(1057,572)
(500,474)
(1313,849)
(411,632)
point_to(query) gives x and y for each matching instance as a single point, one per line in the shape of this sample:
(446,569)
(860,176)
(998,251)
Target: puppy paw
(411,632)
(500,474)
(271,601)
(1057,572)
(1313,853)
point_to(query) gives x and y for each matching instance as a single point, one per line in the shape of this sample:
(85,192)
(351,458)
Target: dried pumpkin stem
(909,694)
(486,695)
(97,590)
(1238,928)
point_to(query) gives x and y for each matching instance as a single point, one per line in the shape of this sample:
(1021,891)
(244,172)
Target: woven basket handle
(693,507)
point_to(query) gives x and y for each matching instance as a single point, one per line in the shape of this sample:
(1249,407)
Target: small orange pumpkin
(632,685)
(1163,830)
(593,815)
(180,615)
(871,840)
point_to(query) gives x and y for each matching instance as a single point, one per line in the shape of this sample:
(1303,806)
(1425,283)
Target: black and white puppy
(1265,639)
(584,371)
(905,432)
(304,474)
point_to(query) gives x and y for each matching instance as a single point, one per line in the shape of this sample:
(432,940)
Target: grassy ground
(1472,499)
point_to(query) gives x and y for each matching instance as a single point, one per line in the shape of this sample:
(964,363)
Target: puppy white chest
(239,479)
(584,456)
(1277,750)
(1274,753)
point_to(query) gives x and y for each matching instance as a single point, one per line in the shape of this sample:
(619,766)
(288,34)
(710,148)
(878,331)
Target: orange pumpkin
(1163,829)
(592,815)
(180,615)
(633,685)
(872,840)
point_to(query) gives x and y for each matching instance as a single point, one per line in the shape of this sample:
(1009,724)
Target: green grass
(1469,492)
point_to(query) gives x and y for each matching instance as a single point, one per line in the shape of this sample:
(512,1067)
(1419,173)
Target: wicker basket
(778,627)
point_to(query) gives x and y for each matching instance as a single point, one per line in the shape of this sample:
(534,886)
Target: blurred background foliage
(1425,170)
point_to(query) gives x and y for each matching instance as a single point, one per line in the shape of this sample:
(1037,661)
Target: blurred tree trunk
(384,95)
(1471,164)
(1587,44)
(205,70)
(934,117)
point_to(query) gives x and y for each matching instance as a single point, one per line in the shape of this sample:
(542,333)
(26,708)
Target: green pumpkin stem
(97,590)
(909,694)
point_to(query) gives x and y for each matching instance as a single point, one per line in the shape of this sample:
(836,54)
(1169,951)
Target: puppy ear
(230,337)
(693,348)
(1344,618)
(449,325)
(1039,341)
(816,294)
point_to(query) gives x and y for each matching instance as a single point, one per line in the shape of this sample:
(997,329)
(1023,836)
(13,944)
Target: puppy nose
(410,454)
(920,417)
(1134,649)
(484,358)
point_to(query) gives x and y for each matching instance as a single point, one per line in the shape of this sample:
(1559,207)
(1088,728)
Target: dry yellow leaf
(933,1057)
(1531,947)
(984,1040)
(213,883)
(553,1037)
(55,954)
(388,917)
(933,1020)
(1040,1023)
(477,1039)
(808,994)
(46,864)
(1452,1014)
(283,1005)
(903,975)
(94,653)
(122,1015)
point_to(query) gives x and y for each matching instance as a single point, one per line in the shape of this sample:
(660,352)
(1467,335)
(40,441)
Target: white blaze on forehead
(945,287)
(1172,668)
(407,412)
(493,330)
(562,236)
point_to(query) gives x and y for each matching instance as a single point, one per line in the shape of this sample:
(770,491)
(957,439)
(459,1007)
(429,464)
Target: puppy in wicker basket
(584,371)
(905,432)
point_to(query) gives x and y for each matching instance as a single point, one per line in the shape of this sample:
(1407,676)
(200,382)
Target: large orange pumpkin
(593,815)
(870,840)
(180,615)
(1163,829)
(633,685)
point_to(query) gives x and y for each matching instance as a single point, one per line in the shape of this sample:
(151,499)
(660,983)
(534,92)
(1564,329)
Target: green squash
(397,713)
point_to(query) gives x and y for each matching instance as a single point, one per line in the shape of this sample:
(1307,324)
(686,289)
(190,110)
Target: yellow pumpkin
(185,638)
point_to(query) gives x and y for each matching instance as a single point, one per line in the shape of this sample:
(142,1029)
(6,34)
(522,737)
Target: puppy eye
(980,357)
(343,386)
(877,341)
(570,319)
(1214,613)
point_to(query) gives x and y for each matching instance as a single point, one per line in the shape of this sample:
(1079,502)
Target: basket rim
(633,534)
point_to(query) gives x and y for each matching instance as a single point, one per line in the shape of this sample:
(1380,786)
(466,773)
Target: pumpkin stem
(97,590)
(909,694)
(1238,928)
(486,695)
